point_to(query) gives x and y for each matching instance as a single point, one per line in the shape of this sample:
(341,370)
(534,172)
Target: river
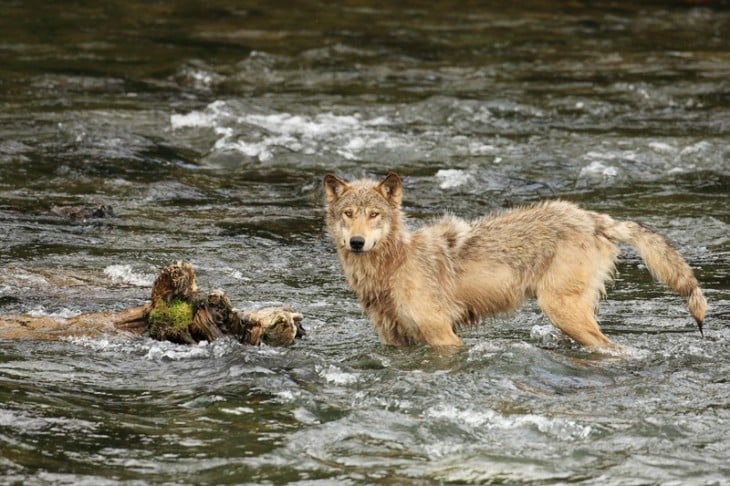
(208,126)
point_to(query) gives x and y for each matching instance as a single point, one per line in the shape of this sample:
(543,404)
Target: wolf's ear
(334,187)
(392,188)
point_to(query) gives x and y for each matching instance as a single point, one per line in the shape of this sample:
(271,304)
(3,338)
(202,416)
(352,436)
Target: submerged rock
(84,212)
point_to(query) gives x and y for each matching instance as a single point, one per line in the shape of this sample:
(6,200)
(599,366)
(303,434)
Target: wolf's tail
(664,263)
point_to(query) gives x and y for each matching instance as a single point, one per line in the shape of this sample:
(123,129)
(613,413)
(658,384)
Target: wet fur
(418,287)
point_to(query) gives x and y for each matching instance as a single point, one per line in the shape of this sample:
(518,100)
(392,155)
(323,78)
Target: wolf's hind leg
(575,316)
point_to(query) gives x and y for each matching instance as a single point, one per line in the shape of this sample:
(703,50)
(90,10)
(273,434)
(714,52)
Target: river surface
(208,126)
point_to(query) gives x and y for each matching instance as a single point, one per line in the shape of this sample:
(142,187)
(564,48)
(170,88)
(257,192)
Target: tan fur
(418,287)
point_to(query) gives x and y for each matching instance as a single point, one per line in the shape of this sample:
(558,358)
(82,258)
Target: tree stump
(177,312)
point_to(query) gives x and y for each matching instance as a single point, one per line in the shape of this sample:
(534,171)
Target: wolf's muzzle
(357,243)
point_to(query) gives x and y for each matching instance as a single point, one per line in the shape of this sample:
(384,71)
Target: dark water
(208,127)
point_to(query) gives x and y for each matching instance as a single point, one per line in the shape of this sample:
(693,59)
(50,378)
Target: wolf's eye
(374,214)
(348,213)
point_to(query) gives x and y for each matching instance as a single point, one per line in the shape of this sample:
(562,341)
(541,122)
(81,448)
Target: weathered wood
(128,321)
(273,326)
(177,312)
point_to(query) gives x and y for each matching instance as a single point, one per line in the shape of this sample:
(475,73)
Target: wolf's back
(664,262)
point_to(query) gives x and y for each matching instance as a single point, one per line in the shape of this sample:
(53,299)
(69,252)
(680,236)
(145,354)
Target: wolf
(419,287)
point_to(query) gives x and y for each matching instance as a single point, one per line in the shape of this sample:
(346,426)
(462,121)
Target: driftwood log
(177,312)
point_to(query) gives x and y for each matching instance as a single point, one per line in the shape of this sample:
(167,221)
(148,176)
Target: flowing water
(208,126)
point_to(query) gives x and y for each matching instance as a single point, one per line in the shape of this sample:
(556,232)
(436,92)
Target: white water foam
(662,147)
(347,135)
(238,410)
(337,376)
(317,126)
(191,120)
(598,168)
(152,349)
(106,344)
(165,351)
(65,313)
(126,274)
(26,422)
(558,427)
(209,117)
(451,178)
(546,335)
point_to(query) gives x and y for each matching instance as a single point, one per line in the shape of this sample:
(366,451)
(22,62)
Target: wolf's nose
(357,243)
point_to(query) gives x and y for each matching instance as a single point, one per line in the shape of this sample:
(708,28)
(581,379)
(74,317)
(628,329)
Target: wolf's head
(361,214)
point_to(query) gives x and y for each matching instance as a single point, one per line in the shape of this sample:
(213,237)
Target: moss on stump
(181,314)
(171,322)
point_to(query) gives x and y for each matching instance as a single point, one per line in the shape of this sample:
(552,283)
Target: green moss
(181,313)
(171,321)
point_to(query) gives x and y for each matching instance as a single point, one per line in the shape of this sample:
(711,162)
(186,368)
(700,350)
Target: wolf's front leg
(421,315)
(437,331)
(443,339)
